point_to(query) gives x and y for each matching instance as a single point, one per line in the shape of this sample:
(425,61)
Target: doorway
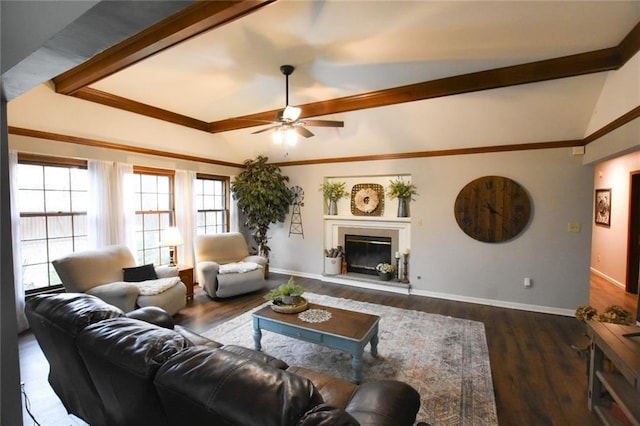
(633,247)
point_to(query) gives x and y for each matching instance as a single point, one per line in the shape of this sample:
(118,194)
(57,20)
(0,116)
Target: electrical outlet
(527,282)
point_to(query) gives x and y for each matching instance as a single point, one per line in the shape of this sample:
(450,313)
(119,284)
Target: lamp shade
(171,237)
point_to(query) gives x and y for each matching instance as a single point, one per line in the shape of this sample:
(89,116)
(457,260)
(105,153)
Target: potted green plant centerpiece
(333,191)
(288,293)
(262,196)
(404,192)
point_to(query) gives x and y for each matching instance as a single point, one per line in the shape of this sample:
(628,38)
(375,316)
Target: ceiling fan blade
(266,129)
(303,132)
(323,123)
(291,113)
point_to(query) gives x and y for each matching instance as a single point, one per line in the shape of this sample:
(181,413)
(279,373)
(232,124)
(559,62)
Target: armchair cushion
(139,273)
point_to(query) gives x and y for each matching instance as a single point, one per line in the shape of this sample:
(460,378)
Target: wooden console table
(621,345)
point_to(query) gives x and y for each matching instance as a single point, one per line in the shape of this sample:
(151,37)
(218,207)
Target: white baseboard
(445,296)
(497,303)
(608,278)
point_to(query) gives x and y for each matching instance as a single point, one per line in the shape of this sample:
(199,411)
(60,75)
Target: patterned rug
(445,359)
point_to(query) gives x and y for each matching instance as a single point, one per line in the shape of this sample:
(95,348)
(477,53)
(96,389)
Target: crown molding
(40,134)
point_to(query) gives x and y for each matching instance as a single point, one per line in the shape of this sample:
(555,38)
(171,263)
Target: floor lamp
(171,238)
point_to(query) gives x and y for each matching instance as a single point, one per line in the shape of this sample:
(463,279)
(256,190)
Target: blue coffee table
(348,331)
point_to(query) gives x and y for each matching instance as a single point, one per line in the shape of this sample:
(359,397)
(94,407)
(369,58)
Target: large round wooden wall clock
(492,209)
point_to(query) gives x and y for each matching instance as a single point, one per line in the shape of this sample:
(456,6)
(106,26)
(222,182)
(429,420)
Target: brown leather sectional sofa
(112,368)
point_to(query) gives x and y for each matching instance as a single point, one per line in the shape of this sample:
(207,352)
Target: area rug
(445,359)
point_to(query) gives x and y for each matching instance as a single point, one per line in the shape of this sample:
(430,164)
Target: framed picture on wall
(603,207)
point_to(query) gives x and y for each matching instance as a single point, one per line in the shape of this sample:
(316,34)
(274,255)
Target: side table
(186,276)
(621,345)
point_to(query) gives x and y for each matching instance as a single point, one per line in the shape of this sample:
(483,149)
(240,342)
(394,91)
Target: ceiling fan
(287,124)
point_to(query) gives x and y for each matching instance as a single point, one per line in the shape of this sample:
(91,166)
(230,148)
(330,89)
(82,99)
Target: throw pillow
(140,273)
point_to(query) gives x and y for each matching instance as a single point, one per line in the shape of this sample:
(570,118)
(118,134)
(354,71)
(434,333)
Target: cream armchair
(224,267)
(111,274)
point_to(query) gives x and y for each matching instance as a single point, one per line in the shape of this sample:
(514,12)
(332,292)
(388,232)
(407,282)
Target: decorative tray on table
(302,305)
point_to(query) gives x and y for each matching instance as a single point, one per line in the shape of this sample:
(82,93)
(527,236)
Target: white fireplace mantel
(332,225)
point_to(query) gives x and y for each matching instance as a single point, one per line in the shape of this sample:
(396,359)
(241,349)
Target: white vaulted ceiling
(350,49)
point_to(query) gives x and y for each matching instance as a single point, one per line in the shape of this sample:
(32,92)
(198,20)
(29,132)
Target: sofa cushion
(72,312)
(201,386)
(136,274)
(123,356)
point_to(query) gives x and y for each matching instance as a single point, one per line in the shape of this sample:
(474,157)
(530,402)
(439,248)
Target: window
(154,203)
(52,195)
(212,213)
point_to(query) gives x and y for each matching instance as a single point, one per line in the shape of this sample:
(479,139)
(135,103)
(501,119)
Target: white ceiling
(343,48)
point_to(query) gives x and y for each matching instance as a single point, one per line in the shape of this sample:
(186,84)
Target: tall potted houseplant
(404,192)
(333,191)
(262,196)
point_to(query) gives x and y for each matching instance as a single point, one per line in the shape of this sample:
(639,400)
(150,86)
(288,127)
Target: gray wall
(445,262)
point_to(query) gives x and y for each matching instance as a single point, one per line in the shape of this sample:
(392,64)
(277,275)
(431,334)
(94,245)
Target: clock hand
(491,209)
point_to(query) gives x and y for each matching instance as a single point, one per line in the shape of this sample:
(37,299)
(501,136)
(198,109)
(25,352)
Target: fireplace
(383,229)
(364,252)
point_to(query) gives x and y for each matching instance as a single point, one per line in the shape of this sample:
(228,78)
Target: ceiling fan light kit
(285,134)
(287,126)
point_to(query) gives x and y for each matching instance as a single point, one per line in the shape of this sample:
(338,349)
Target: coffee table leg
(356,364)
(374,345)
(257,334)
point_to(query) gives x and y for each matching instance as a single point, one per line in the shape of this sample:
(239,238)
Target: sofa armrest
(120,294)
(335,391)
(385,402)
(166,271)
(153,315)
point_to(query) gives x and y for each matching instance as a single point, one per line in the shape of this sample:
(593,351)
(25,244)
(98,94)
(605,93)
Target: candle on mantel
(397,255)
(406,251)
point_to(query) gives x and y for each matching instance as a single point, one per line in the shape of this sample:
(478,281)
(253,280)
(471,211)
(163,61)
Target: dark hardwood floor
(538,378)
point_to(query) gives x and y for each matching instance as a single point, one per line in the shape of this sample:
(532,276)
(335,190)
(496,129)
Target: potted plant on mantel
(404,192)
(262,196)
(288,293)
(333,191)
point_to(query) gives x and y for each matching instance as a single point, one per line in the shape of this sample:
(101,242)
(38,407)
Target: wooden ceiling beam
(630,45)
(191,21)
(205,15)
(533,72)
(104,98)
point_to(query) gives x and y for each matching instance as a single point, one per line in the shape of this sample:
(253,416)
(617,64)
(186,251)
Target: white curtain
(15,236)
(186,214)
(111,213)
(125,186)
(102,226)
